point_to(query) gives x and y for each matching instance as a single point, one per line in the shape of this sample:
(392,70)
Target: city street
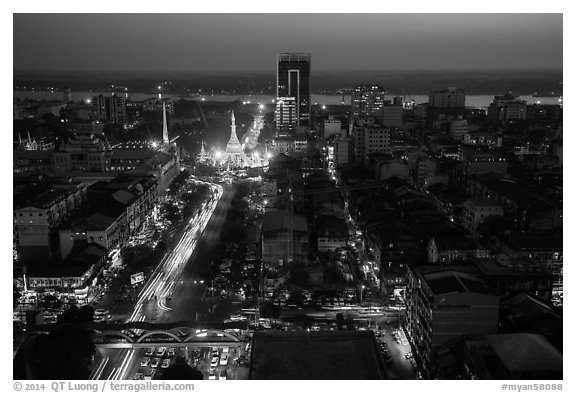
(178,277)
(187,291)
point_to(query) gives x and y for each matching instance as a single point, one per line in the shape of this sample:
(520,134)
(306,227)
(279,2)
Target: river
(472,101)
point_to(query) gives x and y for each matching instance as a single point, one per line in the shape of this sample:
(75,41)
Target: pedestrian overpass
(135,335)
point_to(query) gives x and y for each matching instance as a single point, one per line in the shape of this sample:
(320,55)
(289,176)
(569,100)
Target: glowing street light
(323,107)
(269,155)
(154,145)
(218,155)
(261,106)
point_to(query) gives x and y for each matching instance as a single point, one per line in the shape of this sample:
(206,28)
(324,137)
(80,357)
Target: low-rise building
(476,210)
(392,167)
(332,233)
(284,238)
(342,151)
(76,279)
(38,214)
(458,129)
(332,127)
(518,356)
(529,211)
(542,250)
(507,277)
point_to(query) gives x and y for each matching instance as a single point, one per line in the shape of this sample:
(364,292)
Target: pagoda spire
(165,138)
(234,145)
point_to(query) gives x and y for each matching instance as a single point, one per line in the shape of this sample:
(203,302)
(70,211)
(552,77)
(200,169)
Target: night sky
(249,42)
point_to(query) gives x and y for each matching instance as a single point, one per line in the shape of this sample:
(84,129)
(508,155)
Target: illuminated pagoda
(204,157)
(233,157)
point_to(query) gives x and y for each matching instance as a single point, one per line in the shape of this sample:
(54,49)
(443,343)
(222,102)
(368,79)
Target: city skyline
(199,43)
(317,225)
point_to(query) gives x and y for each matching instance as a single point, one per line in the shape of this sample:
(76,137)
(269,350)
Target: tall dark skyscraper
(293,80)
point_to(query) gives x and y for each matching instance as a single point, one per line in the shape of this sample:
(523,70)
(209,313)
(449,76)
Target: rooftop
(279,220)
(493,268)
(480,201)
(316,355)
(448,280)
(526,352)
(536,242)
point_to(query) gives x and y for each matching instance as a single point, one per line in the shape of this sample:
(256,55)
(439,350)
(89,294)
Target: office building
(332,127)
(506,108)
(459,129)
(443,304)
(293,80)
(370,138)
(368,100)
(286,115)
(342,151)
(446,102)
(109,109)
(392,116)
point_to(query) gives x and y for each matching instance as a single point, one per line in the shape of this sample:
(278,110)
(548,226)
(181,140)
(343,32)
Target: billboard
(136,278)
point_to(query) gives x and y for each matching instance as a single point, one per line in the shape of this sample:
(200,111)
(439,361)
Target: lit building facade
(368,100)
(286,115)
(293,80)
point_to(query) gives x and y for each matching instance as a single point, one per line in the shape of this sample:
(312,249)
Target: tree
(299,276)
(267,310)
(66,353)
(16,295)
(180,370)
(161,246)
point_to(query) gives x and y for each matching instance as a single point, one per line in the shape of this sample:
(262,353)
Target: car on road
(161,351)
(214,362)
(145,361)
(171,351)
(150,374)
(155,362)
(224,360)
(138,376)
(165,363)
(150,351)
(211,375)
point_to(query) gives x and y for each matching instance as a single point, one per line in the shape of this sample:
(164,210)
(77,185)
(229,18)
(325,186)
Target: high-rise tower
(293,80)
